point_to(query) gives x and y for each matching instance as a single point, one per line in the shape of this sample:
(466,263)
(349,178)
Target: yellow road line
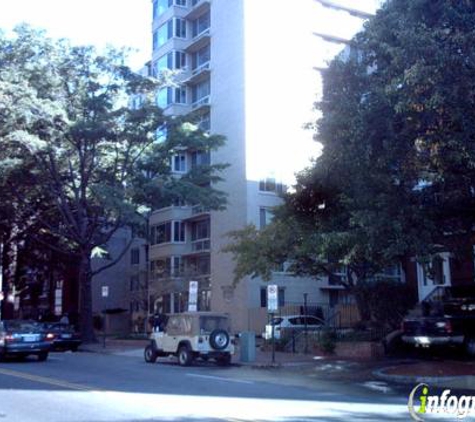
(46,380)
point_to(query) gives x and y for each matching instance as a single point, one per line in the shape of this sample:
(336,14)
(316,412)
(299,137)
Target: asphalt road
(94,387)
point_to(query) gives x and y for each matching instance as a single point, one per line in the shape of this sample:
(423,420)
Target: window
(270,185)
(179,163)
(201,57)
(180,28)
(200,158)
(200,91)
(167,232)
(178,231)
(201,24)
(135,256)
(167,96)
(161,35)
(134,283)
(280,296)
(175,27)
(176,264)
(161,134)
(205,122)
(163,233)
(160,7)
(200,265)
(265,217)
(200,230)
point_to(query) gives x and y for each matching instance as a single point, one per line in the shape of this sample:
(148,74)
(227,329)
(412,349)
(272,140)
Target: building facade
(247,68)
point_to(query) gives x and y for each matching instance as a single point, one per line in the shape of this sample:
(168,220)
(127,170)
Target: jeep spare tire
(219,339)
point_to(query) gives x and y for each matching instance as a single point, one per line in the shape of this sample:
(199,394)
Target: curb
(455,381)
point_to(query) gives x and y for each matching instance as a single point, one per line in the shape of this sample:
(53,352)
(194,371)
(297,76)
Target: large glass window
(201,57)
(179,163)
(160,7)
(178,231)
(180,28)
(265,217)
(200,230)
(200,158)
(167,232)
(201,24)
(200,91)
(135,256)
(270,185)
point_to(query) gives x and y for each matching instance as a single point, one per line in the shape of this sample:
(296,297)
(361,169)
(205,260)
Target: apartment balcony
(198,74)
(199,247)
(199,41)
(202,103)
(198,7)
(198,212)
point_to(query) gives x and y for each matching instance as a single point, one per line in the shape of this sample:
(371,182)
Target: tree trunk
(85,299)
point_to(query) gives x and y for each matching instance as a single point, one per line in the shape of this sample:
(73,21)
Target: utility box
(248,346)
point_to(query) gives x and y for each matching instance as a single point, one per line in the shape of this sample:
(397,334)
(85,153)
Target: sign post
(193,296)
(105,294)
(272,308)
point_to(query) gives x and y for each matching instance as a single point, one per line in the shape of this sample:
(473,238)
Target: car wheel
(219,339)
(185,356)
(42,356)
(224,360)
(150,355)
(469,346)
(74,348)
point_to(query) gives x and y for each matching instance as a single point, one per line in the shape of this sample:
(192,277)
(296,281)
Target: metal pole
(273,337)
(1,280)
(305,321)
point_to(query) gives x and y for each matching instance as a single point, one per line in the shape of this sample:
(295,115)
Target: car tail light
(9,338)
(448,327)
(49,337)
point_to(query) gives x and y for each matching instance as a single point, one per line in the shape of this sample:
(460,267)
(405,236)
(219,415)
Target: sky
(98,22)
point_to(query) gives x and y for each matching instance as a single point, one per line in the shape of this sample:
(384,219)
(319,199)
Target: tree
(97,160)
(396,176)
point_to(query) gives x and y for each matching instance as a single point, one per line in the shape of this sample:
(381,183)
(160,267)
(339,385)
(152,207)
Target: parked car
(447,321)
(65,336)
(291,324)
(22,338)
(193,335)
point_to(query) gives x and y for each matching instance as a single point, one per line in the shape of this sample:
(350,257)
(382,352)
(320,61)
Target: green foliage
(396,175)
(386,302)
(67,128)
(326,341)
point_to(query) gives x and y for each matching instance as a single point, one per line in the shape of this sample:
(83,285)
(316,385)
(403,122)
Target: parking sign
(272,298)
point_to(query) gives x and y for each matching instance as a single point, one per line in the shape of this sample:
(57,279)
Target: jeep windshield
(211,323)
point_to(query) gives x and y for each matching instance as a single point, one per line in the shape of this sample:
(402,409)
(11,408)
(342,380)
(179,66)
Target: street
(97,387)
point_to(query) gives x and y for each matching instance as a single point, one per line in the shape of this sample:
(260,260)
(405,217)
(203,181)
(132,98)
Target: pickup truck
(448,320)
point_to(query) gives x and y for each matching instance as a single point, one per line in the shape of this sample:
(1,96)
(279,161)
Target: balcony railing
(202,102)
(199,41)
(200,245)
(197,8)
(199,209)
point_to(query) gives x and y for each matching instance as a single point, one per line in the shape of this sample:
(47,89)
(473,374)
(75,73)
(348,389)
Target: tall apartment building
(247,67)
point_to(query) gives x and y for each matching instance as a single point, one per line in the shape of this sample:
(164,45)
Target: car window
(312,321)
(211,323)
(22,326)
(276,321)
(295,321)
(173,326)
(186,325)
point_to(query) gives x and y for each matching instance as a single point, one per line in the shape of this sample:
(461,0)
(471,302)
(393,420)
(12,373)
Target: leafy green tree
(396,176)
(99,161)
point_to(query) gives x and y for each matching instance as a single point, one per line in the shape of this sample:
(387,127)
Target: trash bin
(248,346)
